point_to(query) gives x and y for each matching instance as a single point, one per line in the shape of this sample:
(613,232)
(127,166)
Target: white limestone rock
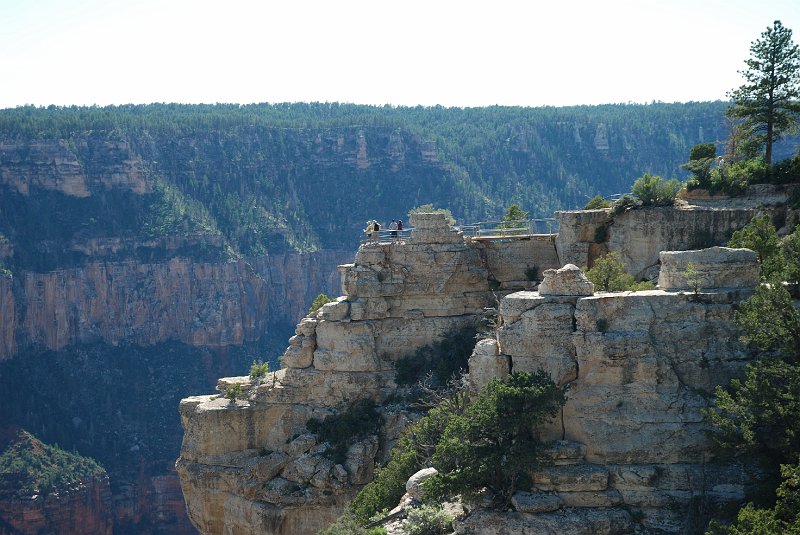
(360,463)
(338,310)
(577,521)
(414,483)
(569,280)
(715,267)
(578,478)
(486,363)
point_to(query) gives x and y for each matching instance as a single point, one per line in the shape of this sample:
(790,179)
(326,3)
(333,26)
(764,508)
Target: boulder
(715,267)
(569,280)
(414,483)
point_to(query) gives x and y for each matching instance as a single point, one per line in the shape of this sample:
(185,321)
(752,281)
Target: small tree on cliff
(768,100)
(760,236)
(759,415)
(493,444)
(514,216)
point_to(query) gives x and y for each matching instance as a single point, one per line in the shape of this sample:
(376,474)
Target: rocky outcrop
(638,236)
(630,436)
(716,267)
(632,432)
(398,297)
(73,167)
(40,494)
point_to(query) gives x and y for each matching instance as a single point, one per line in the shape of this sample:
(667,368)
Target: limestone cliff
(640,367)
(266,470)
(639,235)
(631,438)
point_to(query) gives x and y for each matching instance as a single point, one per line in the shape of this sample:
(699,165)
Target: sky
(404,53)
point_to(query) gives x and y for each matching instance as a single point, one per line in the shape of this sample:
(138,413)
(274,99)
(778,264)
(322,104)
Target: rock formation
(630,437)
(398,297)
(70,503)
(638,236)
(640,367)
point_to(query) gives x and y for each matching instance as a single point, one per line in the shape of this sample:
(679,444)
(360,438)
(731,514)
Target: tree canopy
(767,101)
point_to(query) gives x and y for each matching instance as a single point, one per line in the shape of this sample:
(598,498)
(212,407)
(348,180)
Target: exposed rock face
(85,508)
(631,434)
(53,164)
(716,267)
(399,296)
(200,304)
(632,422)
(640,235)
(568,280)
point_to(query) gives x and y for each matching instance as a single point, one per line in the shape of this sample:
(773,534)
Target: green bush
(428,520)
(514,217)
(493,443)
(786,171)
(412,452)
(760,236)
(652,190)
(259,369)
(37,468)
(360,419)
(443,359)
(608,275)
(625,203)
(596,203)
(233,392)
(320,300)
(701,158)
(790,252)
(759,415)
(347,524)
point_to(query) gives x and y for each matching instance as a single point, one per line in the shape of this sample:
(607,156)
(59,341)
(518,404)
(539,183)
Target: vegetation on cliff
(758,416)
(29,467)
(483,444)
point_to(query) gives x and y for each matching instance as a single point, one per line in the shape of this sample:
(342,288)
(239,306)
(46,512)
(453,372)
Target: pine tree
(768,100)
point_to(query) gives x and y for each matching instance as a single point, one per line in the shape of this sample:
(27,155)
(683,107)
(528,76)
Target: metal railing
(510,229)
(384,236)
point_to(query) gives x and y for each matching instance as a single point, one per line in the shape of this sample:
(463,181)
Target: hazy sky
(409,52)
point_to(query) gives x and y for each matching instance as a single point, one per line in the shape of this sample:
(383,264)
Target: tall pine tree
(768,100)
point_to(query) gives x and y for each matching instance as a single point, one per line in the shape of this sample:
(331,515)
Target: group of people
(373,229)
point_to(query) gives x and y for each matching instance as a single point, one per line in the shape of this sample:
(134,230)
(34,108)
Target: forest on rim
(268,178)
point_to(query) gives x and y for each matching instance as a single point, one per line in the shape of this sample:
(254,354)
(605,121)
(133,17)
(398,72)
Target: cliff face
(639,235)
(116,302)
(630,437)
(640,368)
(266,470)
(74,167)
(85,508)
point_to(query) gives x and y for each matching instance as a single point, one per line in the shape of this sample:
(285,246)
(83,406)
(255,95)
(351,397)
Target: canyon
(639,365)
